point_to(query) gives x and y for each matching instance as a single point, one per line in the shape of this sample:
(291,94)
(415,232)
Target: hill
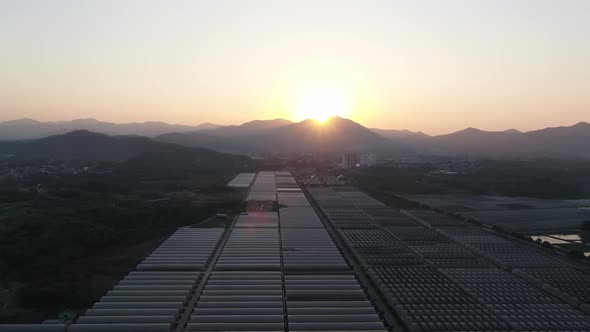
(557,142)
(335,135)
(393,133)
(283,136)
(565,141)
(339,135)
(85,145)
(207,126)
(82,144)
(31,129)
(256,127)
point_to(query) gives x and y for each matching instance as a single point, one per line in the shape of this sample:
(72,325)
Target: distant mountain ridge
(86,145)
(553,142)
(31,129)
(256,127)
(393,133)
(340,135)
(83,145)
(335,135)
(345,135)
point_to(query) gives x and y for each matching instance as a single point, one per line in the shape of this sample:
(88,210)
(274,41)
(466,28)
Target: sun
(322,103)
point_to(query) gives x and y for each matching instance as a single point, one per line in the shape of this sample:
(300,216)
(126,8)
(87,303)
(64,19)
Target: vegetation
(66,238)
(555,179)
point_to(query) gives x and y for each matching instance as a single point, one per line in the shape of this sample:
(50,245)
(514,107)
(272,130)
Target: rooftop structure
(242,180)
(264,188)
(438,273)
(335,259)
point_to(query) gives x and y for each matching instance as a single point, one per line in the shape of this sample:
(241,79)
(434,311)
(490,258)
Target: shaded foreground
(341,261)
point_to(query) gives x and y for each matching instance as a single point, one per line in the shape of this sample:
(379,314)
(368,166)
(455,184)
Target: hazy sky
(435,66)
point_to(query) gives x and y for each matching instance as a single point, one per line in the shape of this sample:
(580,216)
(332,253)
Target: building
(355,159)
(351,160)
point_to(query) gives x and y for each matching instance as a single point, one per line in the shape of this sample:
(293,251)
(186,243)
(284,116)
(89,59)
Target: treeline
(553,179)
(49,224)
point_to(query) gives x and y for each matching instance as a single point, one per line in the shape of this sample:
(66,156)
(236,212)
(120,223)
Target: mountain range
(339,135)
(336,135)
(31,129)
(256,127)
(555,142)
(86,145)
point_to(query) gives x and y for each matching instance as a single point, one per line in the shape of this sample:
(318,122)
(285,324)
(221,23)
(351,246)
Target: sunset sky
(435,66)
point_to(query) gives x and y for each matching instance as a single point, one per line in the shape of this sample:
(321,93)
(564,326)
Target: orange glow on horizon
(320,102)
